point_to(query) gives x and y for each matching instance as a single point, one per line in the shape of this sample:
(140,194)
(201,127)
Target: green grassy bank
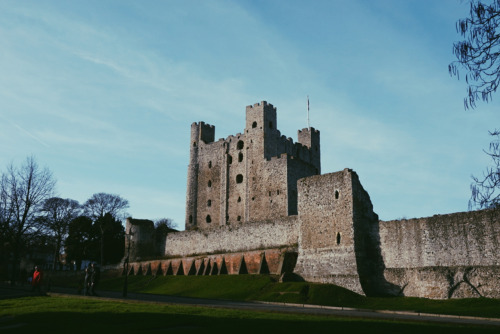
(265,288)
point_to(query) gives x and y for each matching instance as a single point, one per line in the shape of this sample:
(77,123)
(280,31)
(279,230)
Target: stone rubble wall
(234,238)
(444,256)
(447,282)
(329,267)
(458,239)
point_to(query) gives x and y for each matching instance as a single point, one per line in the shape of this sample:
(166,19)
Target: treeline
(37,227)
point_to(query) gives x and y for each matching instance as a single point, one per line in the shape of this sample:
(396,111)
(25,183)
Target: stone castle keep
(257,203)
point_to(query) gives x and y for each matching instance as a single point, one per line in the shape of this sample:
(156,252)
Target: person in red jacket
(36,281)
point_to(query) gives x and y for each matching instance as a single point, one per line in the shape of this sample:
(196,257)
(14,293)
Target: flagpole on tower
(308,125)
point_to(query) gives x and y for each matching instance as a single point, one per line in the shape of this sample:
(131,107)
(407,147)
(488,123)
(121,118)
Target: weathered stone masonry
(280,233)
(256,203)
(454,255)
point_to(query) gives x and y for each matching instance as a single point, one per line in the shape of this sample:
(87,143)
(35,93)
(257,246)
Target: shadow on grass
(70,315)
(72,322)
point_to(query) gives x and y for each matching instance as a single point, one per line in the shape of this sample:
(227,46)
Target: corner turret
(262,117)
(201,134)
(309,137)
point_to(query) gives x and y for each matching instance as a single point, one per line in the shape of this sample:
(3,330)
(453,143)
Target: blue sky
(103,93)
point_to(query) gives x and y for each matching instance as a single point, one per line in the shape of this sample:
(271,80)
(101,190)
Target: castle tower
(346,232)
(247,177)
(201,134)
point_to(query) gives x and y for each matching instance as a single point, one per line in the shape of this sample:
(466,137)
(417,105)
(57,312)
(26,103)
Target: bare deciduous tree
(100,204)
(167,222)
(23,192)
(486,190)
(57,215)
(479,52)
(163,226)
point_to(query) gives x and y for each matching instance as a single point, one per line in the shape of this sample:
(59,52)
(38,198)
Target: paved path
(13,292)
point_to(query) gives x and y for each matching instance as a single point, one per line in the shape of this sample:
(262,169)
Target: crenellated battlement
(300,150)
(262,104)
(203,124)
(202,131)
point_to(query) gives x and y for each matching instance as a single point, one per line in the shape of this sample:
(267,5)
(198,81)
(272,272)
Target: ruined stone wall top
(141,240)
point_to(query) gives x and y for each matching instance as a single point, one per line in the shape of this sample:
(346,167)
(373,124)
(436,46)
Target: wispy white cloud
(30,134)
(24,132)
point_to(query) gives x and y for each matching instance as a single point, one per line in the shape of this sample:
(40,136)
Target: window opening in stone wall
(210,164)
(240,157)
(254,125)
(209,183)
(239,218)
(208,219)
(338,238)
(194,144)
(229,159)
(239,199)
(269,193)
(270,125)
(209,202)
(190,219)
(277,192)
(239,178)
(253,198)
(240,145)
(336,194)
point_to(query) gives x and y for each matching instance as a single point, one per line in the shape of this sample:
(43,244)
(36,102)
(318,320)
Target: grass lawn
(86,315)
(265,288)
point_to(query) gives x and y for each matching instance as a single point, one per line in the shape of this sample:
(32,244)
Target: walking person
(86,281)
(36,281)
(94,278)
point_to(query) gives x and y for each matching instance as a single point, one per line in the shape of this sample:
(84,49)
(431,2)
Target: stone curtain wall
(234,238)
(465,238)
(454,255)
